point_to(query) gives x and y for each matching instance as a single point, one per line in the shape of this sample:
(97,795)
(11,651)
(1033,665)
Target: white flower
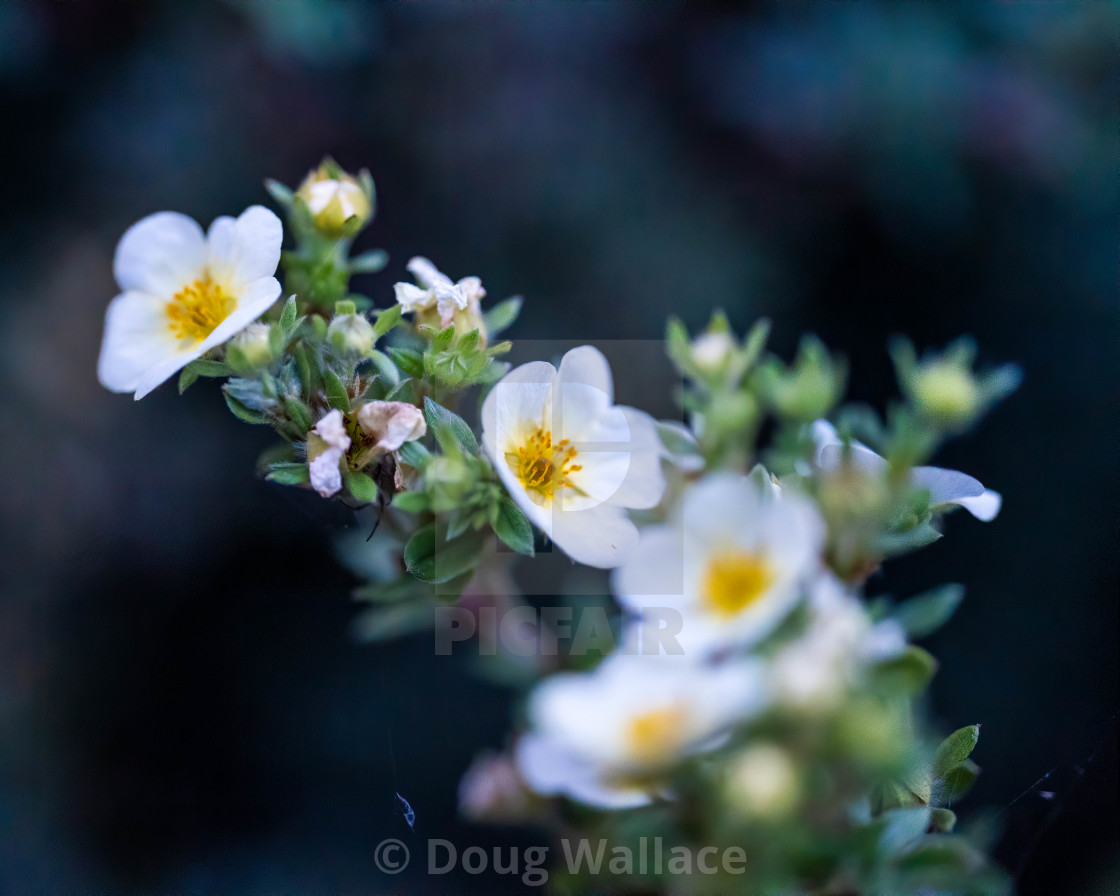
(839,642)
(603,737)
(733,562)
(436,290)
(571,459)
(326,444)
(391,423)
(945,486)
(183,293)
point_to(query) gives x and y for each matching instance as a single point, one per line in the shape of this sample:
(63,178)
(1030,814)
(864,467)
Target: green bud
(762,782)
(810,388)
(250,349)
(711,351)
(946,392)
(730,412)
(351,335)
(448,480)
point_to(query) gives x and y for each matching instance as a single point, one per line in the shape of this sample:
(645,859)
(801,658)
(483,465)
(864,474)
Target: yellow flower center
(196,310)
(541,466)
(655,735)
(734,581)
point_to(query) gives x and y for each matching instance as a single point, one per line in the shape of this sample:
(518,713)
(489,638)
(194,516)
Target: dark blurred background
(182,706)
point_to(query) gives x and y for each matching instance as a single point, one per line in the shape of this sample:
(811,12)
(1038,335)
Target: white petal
(516,407)
(331,428)
(326,478)
(585,391)
(653,571)
(245,250)
(136,339)
(954,487)
(412,298)
(602,536)
(160,254)
(550,770)
(162,371)
(427,274)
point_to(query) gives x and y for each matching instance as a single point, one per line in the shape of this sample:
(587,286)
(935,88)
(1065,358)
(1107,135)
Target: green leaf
(909,673)
(755,342)
(430,557)
(410,361)
(415,455)
(243,413)
(412,502)
(678,344)
(386,369)
(288,317)
(394,621)
(903,827)
(468,343)
(442,340)
(289,473)
(386,320)
(298,413)
(369,262)
(955,749)
(337,396)
(926,613)
(512,527)
(361,486)
(956,783)
(502,315)
(187,379)
(450,430)
(943,820)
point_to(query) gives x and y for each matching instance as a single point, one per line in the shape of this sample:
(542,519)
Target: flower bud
(712,350)
(336,200)
(250,349)
(351,335)
(762,782)
(946,391)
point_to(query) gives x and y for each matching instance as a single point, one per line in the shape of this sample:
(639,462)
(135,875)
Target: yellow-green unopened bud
(334,201)
(762,782)
(448,480)
(351,335)
(946,391)
(251,347)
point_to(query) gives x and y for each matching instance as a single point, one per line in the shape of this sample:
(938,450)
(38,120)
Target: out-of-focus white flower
(945,487)
(184,292)
(733,563)
(326,443)
(761,781)
(817,669)
(603,737)
(391,423)
(572,459)
(436,290)
(711,350)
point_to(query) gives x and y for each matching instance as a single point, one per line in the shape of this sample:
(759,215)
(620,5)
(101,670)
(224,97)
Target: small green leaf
(450,430)
(288,317)
(415,455)
(926,613)
(903,827)
(956,783)
(502,315)
(410,361)
(955,749)
(908,673)
(386,369)
(279,192)
(412,502)
(678,345)
(943,820)
(512,527)
(468,343)
(442,340)
(337,396)
(361,486)
(243,413)
(298,413)
(430,557)
(187,379)
(289,473)
(369,262)
(386,320)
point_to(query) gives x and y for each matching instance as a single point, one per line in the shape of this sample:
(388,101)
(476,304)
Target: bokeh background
(182,705)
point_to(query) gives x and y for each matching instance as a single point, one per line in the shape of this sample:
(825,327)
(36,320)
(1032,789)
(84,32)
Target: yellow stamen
(736,580)
(655,735)
(541,466)
(196,310)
